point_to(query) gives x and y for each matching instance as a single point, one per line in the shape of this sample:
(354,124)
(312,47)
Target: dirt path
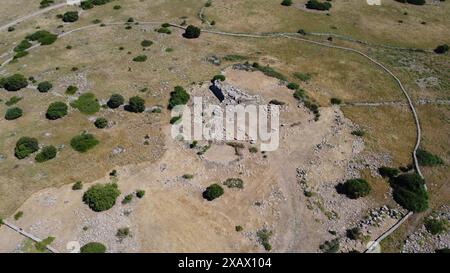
(26,17)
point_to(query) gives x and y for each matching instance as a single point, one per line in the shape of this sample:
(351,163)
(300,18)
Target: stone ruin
(230,95)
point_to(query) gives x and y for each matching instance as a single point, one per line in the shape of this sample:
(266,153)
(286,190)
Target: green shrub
(269,71)
(359,133)
(146,43)
(140,193)
(24,45)
(238,228)
(164,30)
(212,192)
(77,186)
(264,237)
(235,58)
(335,101)
(174,120)
(101,123)
(13,113)
(93,247)
(44,86)
(115,101)
(18,215)
(70,16)
(140,58)
(426,158)
(45,3)
(388,172)
(84,142)
(330,246)
(20,54)
(299,94)
(293,86)
(100,2)
(436,226)
(43,37)
(127,199)
(188,176)
(25,146)
(42,245)
(101,197)
(354,233)
(219,78)
(13,100)
(178,97)
(314,4)
(71,90)
(136,104)
(414,2)
(87,4)
(356,188)
(441,49)
(253,150)
(234,183)
(286,3)
(14,82)
(87,104)
(192,32)
(302,76)
(409,192)
(56,110)
(117,7)
(122,233)
(47,153)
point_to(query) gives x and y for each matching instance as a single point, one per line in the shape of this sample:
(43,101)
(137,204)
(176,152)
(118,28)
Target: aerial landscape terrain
(358,92)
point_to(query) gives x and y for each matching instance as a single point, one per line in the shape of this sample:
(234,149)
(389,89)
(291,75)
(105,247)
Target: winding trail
(295,37)
(31,15)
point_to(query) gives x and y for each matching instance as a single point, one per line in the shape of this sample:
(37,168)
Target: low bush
(146,43)
(86,4)
(84,142)
(13,100)
(441,49)
(304,77)
(174,120)
(238,228)
(330,246)
(20,54)
(354,233)
(359,133)
(56,110)
(293,86)
(388,172)
(140,58)
(234,183)
(286,3)
(115,101)
(409,192)
(178,97)
(127,199)
(264,237)
(77,186)
(219,78)
(299,94)
(24,45)
(87,104)
(192,32)
(14,82)
(140,193)
(426,158)
(335,101)
(25,146)
(101,197)
(212,192)
(47,153)
(122,233)
(45,3)
(18,215)
(42,245)
(314,4)
(70,16)
(43,37)
(136,104)
(414,2)
(93,247)
(101,123)
(44,87)
(356,188)
(188,176)
(164,30)
(13,113)
(269,71)
(436,226)
(71,90)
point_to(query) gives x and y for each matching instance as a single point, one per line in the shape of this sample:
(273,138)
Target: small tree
(146,43)
(101,123)
(192,32)
(140,193)
(25,146)
(13,113)
(426,158)
(212,192)
(101,197)
(115,101)
(356,188)
(136,104)
(388,172)
(56,110)
(178,97)
(286,3)
(14,82)
(70,16)
(441,49)
(293,86)
(47,153)
(409,192)
(44,86)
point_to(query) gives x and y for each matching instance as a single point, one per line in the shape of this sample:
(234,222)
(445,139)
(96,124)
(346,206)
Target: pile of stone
(376,216)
